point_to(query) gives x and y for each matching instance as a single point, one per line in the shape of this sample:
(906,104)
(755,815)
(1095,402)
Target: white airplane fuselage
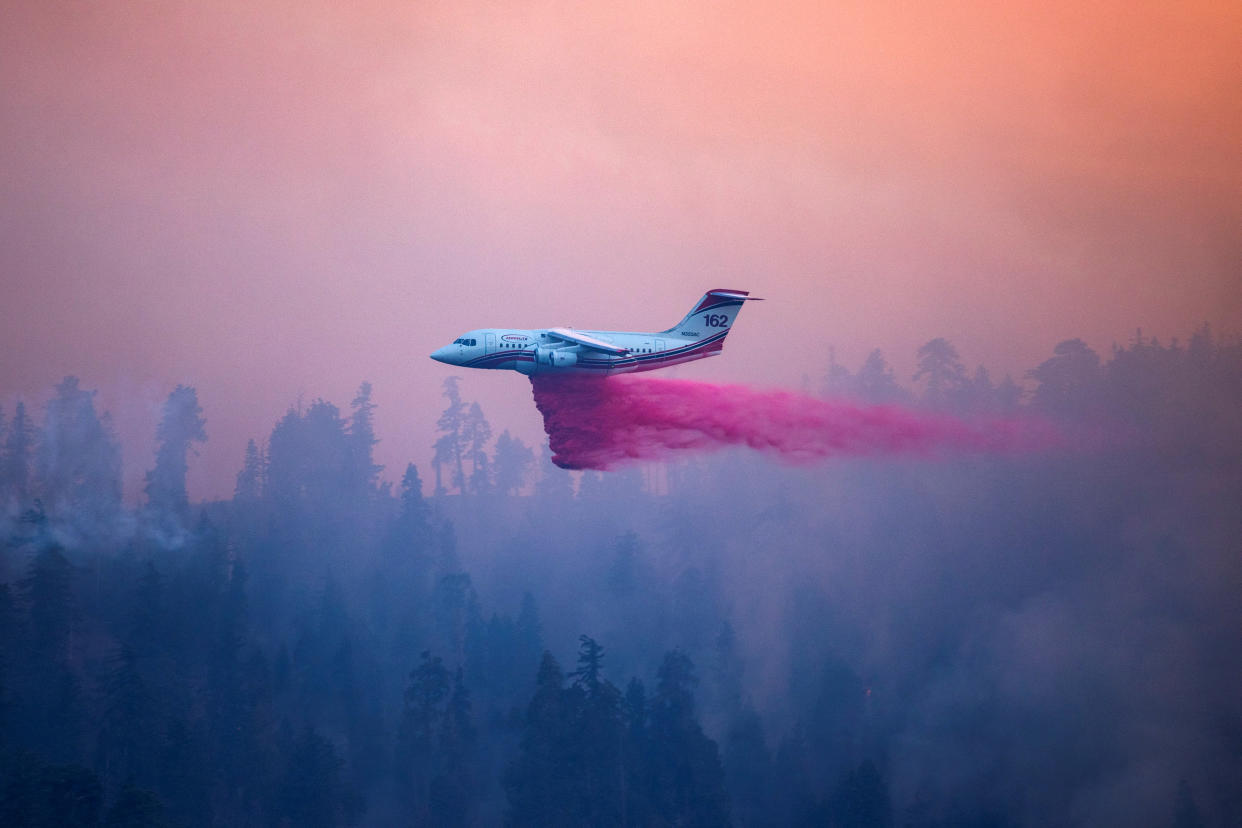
(568,351)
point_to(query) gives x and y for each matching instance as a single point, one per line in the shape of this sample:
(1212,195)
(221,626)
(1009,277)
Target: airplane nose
(443,354)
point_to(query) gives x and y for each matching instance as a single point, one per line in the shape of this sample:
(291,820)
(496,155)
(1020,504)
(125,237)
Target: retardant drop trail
(601,423)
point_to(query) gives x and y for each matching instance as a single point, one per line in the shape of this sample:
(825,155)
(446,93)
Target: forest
(968,639)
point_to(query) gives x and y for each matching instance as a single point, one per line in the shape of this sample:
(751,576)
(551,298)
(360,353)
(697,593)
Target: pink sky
(276,200)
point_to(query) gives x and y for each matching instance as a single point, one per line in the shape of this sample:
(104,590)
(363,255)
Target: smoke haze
(984,229)
(938,623)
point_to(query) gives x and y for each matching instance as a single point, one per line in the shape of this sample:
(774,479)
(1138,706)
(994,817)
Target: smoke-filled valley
(959,637)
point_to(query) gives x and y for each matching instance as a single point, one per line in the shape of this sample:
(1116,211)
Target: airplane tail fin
(713,315)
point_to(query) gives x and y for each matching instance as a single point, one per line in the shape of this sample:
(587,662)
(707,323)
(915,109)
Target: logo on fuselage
(514,338)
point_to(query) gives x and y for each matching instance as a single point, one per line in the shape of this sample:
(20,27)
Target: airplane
(568,351)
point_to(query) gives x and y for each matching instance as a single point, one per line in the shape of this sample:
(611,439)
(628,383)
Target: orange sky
(284,199)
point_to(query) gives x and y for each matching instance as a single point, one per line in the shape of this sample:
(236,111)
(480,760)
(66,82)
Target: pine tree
(312,792)
(78,458)
(636,792)
(450,447)
(249,486)
(308,461)
(147,629)
(1067,380)
(598,739)
(53,716)
(875,380)
(535,781)
(414,761)
(180,426)
(452,787)
(362,440)
(861,799)
(47,592)
(940,364)
(127,730)
(748,768)
(16,458)
(688,780)
(529,634)
(476,431)
(455,609)
(513,461)
(413,505)
(837,381)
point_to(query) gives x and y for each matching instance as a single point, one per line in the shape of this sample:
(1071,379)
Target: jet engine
(555,357)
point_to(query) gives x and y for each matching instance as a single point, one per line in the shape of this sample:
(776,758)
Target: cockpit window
(467,342)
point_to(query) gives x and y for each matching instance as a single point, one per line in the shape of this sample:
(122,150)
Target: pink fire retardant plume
(595,423)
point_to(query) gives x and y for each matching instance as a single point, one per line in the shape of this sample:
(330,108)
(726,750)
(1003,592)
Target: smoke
(595,423)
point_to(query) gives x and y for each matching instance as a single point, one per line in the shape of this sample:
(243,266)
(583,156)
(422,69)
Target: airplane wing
(567,335)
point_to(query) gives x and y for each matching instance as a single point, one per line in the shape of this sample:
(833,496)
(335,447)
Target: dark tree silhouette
(529,631)
(181,425)
(413,506)
(940,365)
(78,459)
(597,728)
(362,440)
(249,486)
(453,786)
(748,769)
(1067,380)
(837,381)
(47,592)
(688,780)
(861,799)
(312,791)
(308,461)
(128,730)
(451,446)
(417,735)
(876,382)
(512,463)
(536,780)
(15,459)
(475,433)
(638,784)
